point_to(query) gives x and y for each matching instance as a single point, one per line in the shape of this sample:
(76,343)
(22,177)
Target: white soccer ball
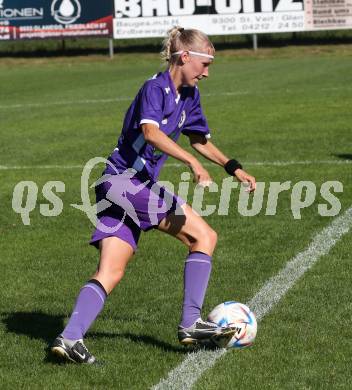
(241,317)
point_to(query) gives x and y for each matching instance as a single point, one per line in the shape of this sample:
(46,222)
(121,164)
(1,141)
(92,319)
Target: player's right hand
(201,175)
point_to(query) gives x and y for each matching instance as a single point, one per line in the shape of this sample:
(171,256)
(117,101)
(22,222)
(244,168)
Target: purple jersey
(157,102)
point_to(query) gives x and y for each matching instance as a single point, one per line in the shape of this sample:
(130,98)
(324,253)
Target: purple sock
(196,277)
(89,304)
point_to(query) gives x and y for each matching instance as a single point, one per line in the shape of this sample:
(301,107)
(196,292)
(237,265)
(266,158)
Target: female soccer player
(166,106)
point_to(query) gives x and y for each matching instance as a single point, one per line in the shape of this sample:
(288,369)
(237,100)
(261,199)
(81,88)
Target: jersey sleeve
(196,121)
(151,104)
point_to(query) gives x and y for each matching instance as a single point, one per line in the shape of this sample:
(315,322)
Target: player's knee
(212,237)
(112,271)
(117,275)
(114,276)
(205,238)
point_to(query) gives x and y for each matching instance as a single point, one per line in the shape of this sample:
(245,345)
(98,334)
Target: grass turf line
(44,265)
(186,374)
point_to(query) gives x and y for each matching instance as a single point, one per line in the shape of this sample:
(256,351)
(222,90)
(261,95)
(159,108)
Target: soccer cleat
(72,350)
(205,333)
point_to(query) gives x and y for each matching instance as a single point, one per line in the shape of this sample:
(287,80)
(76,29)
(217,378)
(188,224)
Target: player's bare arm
(207,149)
(162,142)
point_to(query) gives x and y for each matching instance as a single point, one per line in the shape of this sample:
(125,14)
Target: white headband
(195,53)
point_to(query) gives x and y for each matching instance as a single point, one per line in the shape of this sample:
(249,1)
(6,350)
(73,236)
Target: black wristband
(231,166)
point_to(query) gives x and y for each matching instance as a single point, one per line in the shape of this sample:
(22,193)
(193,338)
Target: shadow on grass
(36,325)
(344,156)
(145,339)
(46,327)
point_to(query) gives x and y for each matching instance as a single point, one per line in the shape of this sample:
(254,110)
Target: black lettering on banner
(147,8)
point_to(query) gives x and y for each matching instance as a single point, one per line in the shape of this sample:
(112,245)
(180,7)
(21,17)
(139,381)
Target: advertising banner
(38,19)
(152,18)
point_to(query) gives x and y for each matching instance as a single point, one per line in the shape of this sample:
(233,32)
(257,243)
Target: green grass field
(285,113)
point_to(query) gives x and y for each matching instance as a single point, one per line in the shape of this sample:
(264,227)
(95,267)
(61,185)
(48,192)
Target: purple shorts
(128,203)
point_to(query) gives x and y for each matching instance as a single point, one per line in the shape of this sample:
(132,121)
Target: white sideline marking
(97,101)
(130,98)
(65,103)
(19,167)
(185,375)
(206,164)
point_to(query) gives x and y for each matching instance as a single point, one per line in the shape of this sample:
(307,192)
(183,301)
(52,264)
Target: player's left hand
(243,177)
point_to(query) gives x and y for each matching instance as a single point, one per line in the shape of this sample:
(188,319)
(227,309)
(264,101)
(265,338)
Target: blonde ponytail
(169,41)
(179,38)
